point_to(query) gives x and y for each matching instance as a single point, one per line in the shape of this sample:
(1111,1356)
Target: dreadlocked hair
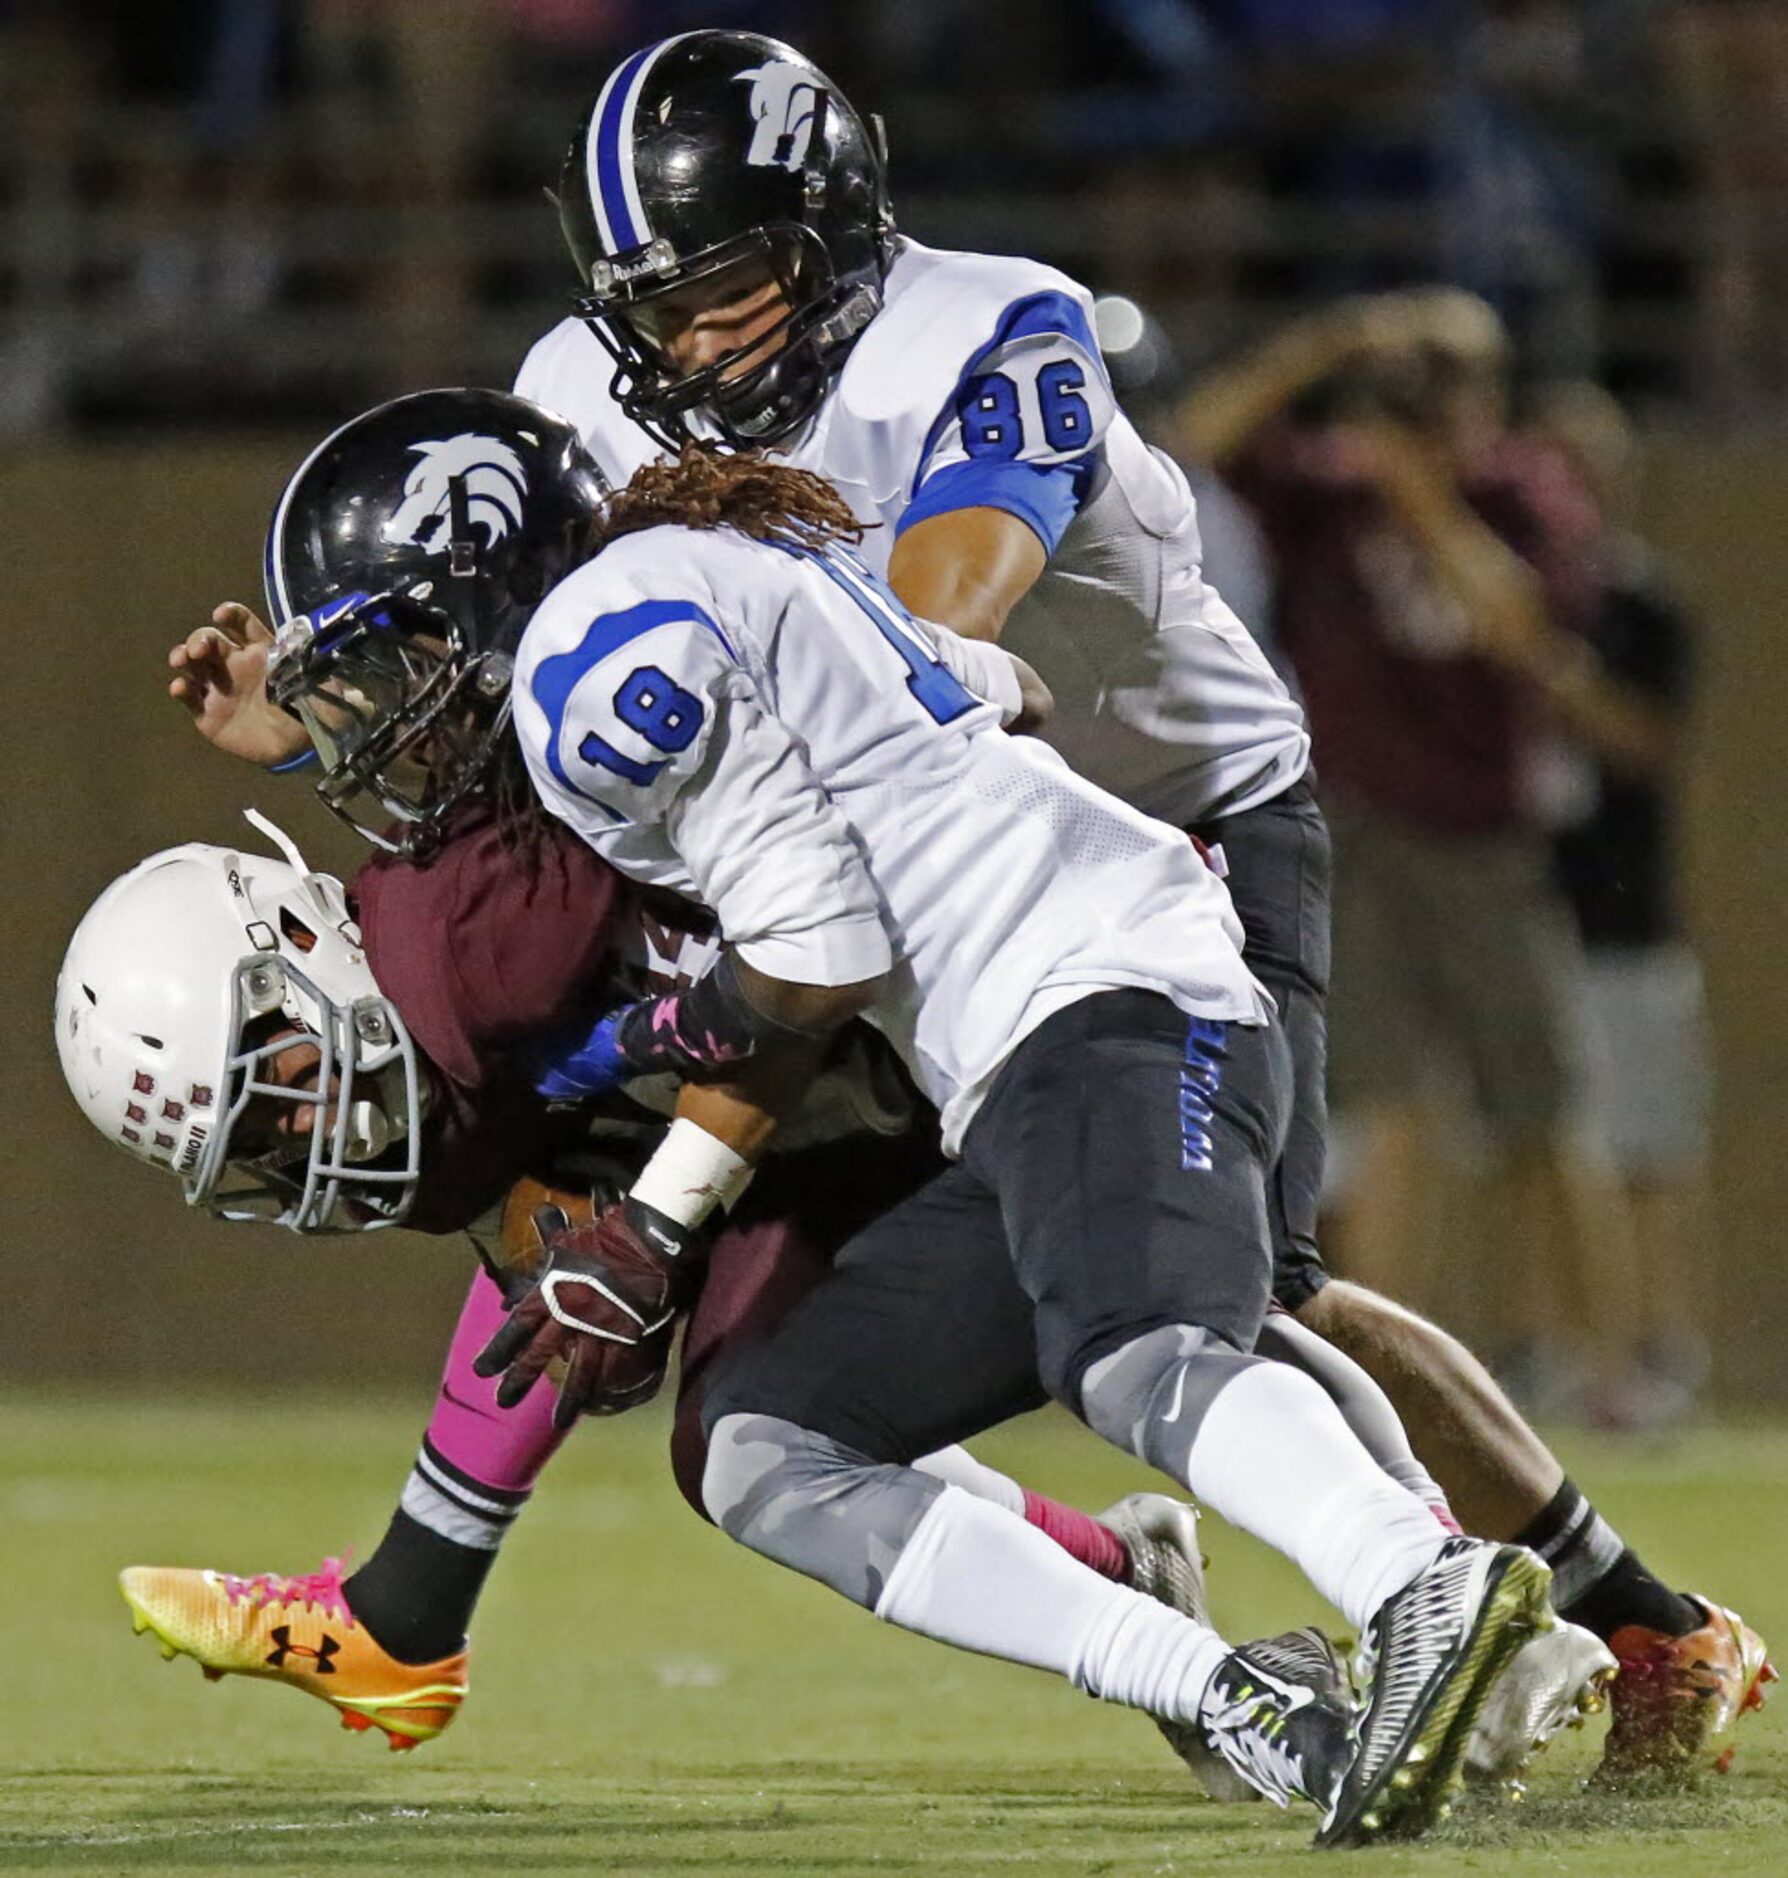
(524,826)
(707,488)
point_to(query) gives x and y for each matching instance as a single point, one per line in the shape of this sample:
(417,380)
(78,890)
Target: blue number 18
(653,703)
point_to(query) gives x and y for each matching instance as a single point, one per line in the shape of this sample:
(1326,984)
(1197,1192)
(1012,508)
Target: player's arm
(1505,599)
(967,569)
(1230,402)
(1003,468)
(220,676)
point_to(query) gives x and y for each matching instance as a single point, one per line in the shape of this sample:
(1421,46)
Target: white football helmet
(184,982)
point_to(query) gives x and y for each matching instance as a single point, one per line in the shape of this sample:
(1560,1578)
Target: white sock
(957,1467)
(1411,1475)
(975,1576)
(1273,1456)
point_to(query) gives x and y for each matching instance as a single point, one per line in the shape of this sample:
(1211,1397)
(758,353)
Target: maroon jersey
(1405,718)
(482,949)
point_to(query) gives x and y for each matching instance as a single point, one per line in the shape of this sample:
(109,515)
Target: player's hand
(592,1066)
(606,1307)
(534,1211)
(220,675)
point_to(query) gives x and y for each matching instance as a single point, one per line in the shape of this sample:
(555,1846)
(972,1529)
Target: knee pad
(1150,1397)
(810,1504)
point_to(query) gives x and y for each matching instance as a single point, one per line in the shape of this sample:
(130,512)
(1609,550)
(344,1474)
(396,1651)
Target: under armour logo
(282,1637)
(495,483)
(785,103)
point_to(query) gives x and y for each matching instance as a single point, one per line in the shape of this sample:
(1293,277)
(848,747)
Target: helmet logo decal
(784,107)
(495,483)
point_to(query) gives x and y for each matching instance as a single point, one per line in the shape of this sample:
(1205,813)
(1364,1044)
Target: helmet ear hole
(295,930)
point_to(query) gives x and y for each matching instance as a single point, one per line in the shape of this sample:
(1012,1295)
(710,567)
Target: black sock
(1597,1579)
(415,1595)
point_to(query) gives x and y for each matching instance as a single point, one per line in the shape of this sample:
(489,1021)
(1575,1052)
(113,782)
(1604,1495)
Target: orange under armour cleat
(299,1631)
(1677,1699)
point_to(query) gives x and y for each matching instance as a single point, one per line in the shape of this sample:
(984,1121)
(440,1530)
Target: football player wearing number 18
(758,725)
(741,280)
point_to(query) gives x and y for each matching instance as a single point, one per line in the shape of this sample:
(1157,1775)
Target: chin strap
(462,544)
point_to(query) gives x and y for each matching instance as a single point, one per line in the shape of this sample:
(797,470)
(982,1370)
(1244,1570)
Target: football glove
(606,1305)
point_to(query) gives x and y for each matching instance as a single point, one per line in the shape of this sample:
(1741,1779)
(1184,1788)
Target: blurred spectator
(1729,60)
(1434,571)
(1425,136)
(230,210)
(1648,1073)
(399,96)
(166,110)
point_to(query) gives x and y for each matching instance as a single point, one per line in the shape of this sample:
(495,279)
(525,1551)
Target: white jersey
(769,733)
(979,384)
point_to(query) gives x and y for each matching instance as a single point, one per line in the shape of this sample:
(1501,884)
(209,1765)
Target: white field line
(153,1836)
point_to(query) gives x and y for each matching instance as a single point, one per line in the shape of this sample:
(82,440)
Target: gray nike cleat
(1161,1536)
(1430,1658)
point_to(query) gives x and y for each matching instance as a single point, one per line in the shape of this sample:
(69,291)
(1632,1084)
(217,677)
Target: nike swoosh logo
(1179,1394)
(472,1408)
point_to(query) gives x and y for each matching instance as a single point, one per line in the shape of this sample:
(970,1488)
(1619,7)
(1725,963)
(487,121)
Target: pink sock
(1080,1536)
(503,1448)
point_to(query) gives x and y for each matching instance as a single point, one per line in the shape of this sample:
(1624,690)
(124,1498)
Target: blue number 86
(993,417)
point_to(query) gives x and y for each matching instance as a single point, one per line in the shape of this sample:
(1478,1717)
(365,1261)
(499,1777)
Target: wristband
(691,1173)
(302,760)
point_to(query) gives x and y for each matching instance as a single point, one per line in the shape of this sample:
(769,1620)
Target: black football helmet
(713,154)
(404,559)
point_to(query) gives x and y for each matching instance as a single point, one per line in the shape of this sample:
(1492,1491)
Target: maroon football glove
(607,1305)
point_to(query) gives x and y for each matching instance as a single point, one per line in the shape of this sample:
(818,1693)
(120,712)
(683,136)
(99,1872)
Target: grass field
(648,1699)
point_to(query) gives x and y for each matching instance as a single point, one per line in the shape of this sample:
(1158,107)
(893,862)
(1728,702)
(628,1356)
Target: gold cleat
(296,1630)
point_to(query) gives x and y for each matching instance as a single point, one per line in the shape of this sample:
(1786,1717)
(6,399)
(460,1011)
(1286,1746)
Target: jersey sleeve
(650,725)
(1021,429)
(983,667)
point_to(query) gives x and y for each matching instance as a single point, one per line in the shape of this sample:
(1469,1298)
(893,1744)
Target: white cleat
(1557,1680)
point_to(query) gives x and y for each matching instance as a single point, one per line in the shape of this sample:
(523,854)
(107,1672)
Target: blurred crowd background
(224,210)
(1468,317)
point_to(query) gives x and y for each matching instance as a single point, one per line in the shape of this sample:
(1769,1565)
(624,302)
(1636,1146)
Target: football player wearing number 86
(741,278)
(745,715)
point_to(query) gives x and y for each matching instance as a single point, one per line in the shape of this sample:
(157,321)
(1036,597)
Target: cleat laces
(320,1590)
